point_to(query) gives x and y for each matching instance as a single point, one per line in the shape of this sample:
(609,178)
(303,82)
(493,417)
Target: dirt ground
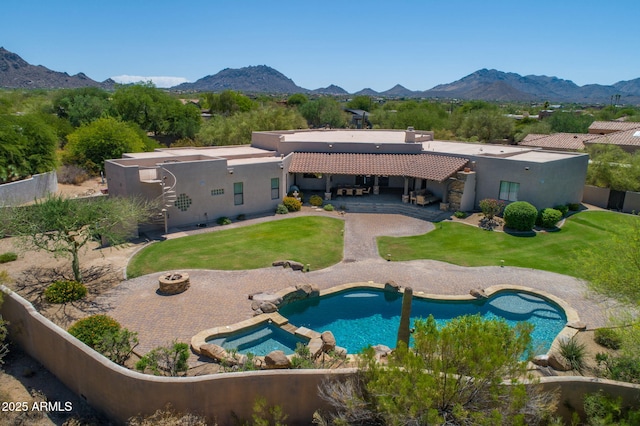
(24,380)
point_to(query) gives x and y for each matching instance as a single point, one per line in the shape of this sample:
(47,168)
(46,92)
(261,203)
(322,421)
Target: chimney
(410,135)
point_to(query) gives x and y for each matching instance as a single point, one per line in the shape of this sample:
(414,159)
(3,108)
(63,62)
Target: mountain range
(485,84)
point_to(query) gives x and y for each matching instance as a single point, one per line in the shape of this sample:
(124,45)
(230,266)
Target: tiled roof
(612,126)
(561,141)
(425,166)
(627,138)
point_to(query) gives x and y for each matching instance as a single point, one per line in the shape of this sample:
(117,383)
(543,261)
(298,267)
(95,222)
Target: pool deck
(220,298)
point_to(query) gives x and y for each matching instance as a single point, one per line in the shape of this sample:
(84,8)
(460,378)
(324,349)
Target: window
(217,191)
(238,196)
(509,191)
(275,188)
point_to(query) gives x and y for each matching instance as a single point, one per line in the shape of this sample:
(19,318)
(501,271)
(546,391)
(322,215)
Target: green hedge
(520,216)
(292,204)
(91,330)
(65,291)
(547,218)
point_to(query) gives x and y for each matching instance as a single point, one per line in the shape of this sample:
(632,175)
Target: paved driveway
(218,298)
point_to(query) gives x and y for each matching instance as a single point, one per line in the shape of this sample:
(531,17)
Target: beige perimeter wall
(121,393)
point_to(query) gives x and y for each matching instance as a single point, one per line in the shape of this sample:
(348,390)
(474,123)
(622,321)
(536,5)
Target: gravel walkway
(218,298)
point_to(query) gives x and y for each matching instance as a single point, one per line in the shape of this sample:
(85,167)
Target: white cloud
(158,81)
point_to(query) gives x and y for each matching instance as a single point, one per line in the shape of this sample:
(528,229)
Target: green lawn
(470,246)
(315,240)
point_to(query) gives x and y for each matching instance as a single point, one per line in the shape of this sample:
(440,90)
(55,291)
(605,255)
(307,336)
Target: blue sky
(353,44)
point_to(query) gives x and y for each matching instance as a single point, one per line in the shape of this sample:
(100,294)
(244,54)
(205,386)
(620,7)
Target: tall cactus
(403,330)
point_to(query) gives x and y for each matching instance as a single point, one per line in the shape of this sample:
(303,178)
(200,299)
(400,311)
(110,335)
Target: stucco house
(199,185)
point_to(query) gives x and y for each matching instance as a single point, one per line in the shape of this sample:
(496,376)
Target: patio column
(418,184)
(405,194)
(376,186)
(327,187)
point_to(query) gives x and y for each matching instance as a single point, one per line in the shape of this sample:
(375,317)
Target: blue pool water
(260,340)
(358,318)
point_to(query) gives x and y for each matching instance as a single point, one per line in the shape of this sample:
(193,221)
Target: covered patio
(420,179)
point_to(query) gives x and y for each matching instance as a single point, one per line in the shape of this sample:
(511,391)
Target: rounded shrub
(292,204)
(520,216)
(223,220)
(547,218)
(607,337)
(65,291)
(564,209)
(328,207)
(8,257)
(315,200)
(91,330)
(282,209)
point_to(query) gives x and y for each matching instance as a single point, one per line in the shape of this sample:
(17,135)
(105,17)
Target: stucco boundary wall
(27,190)
(599,197)
(121,393)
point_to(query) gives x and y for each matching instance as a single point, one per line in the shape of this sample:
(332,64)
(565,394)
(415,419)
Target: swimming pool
(259,340)
(361,317)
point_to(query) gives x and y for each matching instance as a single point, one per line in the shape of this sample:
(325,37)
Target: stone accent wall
(455,191)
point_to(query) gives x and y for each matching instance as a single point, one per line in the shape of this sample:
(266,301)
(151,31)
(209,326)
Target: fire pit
(173,282)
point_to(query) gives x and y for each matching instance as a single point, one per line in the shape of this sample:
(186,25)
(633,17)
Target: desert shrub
(282,209)
(315,200)
(118,345)
(547,218)
(491,207)
(624,368)
(574,207)
(223,220)
(166,360)
(168,417)
(520,215)
(292,204)
(91,330)
(574,353)
(8,257)
(602,409)
(302,357)
(266,415)
(72,174)
(328,207)
(563,208)
(607,337)
(460,215)
(65,291)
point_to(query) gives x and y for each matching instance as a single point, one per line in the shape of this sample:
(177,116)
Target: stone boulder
(391,286)
(381,351)
(328,341)
(296,266)
(578,325)
(541,360)
(215,352)
(268,307)
(315,347)
(276,360)
(478,293)
(558,362)
(302,291)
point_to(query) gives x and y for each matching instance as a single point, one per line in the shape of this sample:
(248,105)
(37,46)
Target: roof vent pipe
(410,135)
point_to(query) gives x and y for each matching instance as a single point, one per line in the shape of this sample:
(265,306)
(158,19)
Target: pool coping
(566,333)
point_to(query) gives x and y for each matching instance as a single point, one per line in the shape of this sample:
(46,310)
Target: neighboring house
(626,135)
(557,141)
(199,185)
(606,127)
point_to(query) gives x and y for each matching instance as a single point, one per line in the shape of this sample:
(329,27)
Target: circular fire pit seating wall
(173,282)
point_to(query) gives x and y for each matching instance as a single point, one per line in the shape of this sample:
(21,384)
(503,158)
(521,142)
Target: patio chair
(348,191)
(412,197)
(366,190)
(359,191)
